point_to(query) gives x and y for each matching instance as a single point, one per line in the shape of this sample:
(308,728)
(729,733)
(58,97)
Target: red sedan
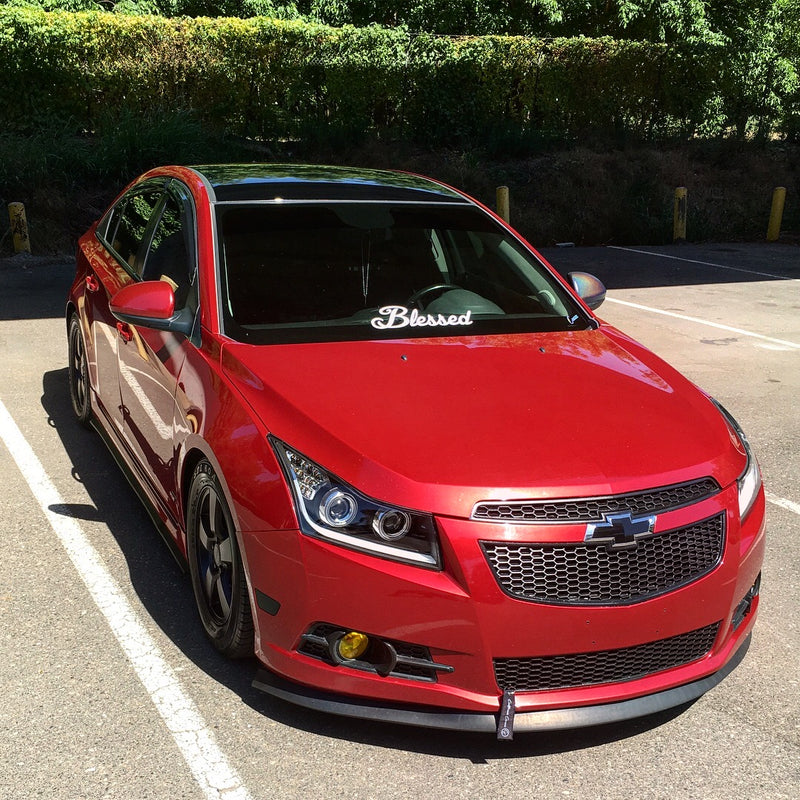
(404,463)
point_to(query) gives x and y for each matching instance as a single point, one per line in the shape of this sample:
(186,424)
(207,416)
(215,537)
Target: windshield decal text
(401,317)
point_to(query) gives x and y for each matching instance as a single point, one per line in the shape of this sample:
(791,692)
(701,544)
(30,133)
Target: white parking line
(703,263)
(209,766)
(783,343)
(783,503)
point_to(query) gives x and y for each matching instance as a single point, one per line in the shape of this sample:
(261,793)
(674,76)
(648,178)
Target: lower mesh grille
(606,666)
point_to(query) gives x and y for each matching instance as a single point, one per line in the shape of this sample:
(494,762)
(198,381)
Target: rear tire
(218,578)
(79,391)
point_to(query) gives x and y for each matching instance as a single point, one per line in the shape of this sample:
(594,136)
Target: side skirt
(143,493)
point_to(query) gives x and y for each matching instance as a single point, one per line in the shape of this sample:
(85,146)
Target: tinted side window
(170,257)
(128,225)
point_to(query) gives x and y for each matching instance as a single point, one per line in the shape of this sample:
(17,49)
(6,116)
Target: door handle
(124,331)
(92,284)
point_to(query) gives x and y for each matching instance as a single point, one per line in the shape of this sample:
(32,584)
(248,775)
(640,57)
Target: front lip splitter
(530,721)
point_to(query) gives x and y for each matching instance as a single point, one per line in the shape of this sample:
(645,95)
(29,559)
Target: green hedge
(281,79)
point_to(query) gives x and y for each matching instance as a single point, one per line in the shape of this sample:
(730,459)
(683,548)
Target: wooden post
(19,228)
(679,215)
(776,214)
(503,203)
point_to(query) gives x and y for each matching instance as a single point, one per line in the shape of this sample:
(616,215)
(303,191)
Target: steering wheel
(434,287)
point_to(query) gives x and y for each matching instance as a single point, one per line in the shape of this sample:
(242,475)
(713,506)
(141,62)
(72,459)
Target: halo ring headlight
(749,482)
(329,508)
(337,508)
(391,524)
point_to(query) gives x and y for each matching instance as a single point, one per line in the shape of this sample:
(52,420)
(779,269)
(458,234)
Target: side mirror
(588,288)
(151,304)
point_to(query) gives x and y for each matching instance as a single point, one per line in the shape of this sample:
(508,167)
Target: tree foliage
(756,42)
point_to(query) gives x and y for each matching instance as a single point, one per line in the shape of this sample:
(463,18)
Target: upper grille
(589,573)
(594,509)
(605,666)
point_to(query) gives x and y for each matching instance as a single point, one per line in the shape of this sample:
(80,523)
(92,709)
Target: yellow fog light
(352,645)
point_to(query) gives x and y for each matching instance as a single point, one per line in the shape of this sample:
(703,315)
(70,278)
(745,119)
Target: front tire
(218,578)
(79,391)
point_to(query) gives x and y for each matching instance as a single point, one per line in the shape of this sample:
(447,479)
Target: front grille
(606,666)
(594,509)
(588,573)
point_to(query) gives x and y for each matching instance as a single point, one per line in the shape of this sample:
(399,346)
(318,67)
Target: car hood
(440,424)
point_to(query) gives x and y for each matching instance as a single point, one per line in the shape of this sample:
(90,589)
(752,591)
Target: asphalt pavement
(79,720)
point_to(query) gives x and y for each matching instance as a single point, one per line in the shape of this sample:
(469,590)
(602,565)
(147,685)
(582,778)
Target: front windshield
(352,271)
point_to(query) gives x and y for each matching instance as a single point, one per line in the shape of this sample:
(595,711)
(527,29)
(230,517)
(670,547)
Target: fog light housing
(746,605)
(352,645)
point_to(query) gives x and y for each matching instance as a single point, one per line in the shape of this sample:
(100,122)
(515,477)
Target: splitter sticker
(401,317)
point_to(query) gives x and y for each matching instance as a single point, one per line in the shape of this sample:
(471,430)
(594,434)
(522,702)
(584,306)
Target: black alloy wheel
(218,579)
(78,373)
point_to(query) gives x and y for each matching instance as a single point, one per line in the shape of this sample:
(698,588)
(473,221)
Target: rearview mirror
(588,288)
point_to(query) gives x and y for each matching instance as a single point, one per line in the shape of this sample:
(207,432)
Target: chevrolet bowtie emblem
(619,531)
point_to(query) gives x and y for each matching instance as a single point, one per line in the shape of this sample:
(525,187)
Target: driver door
(150,361)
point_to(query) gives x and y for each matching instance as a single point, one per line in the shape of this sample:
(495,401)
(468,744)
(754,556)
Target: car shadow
(165,592)
(34,287)
(479,748)
(678,265)
(159,581)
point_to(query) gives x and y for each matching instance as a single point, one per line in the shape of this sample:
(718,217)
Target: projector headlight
(749,481)
(330,509)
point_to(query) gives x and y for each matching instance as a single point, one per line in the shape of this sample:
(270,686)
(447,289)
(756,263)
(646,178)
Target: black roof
(251,182)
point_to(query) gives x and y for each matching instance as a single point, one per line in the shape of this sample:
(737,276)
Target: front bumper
(471,629)
(550,720)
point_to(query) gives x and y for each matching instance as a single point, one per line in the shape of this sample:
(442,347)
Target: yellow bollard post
(679,215)
(776,214)
(19,228)
(503,203)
